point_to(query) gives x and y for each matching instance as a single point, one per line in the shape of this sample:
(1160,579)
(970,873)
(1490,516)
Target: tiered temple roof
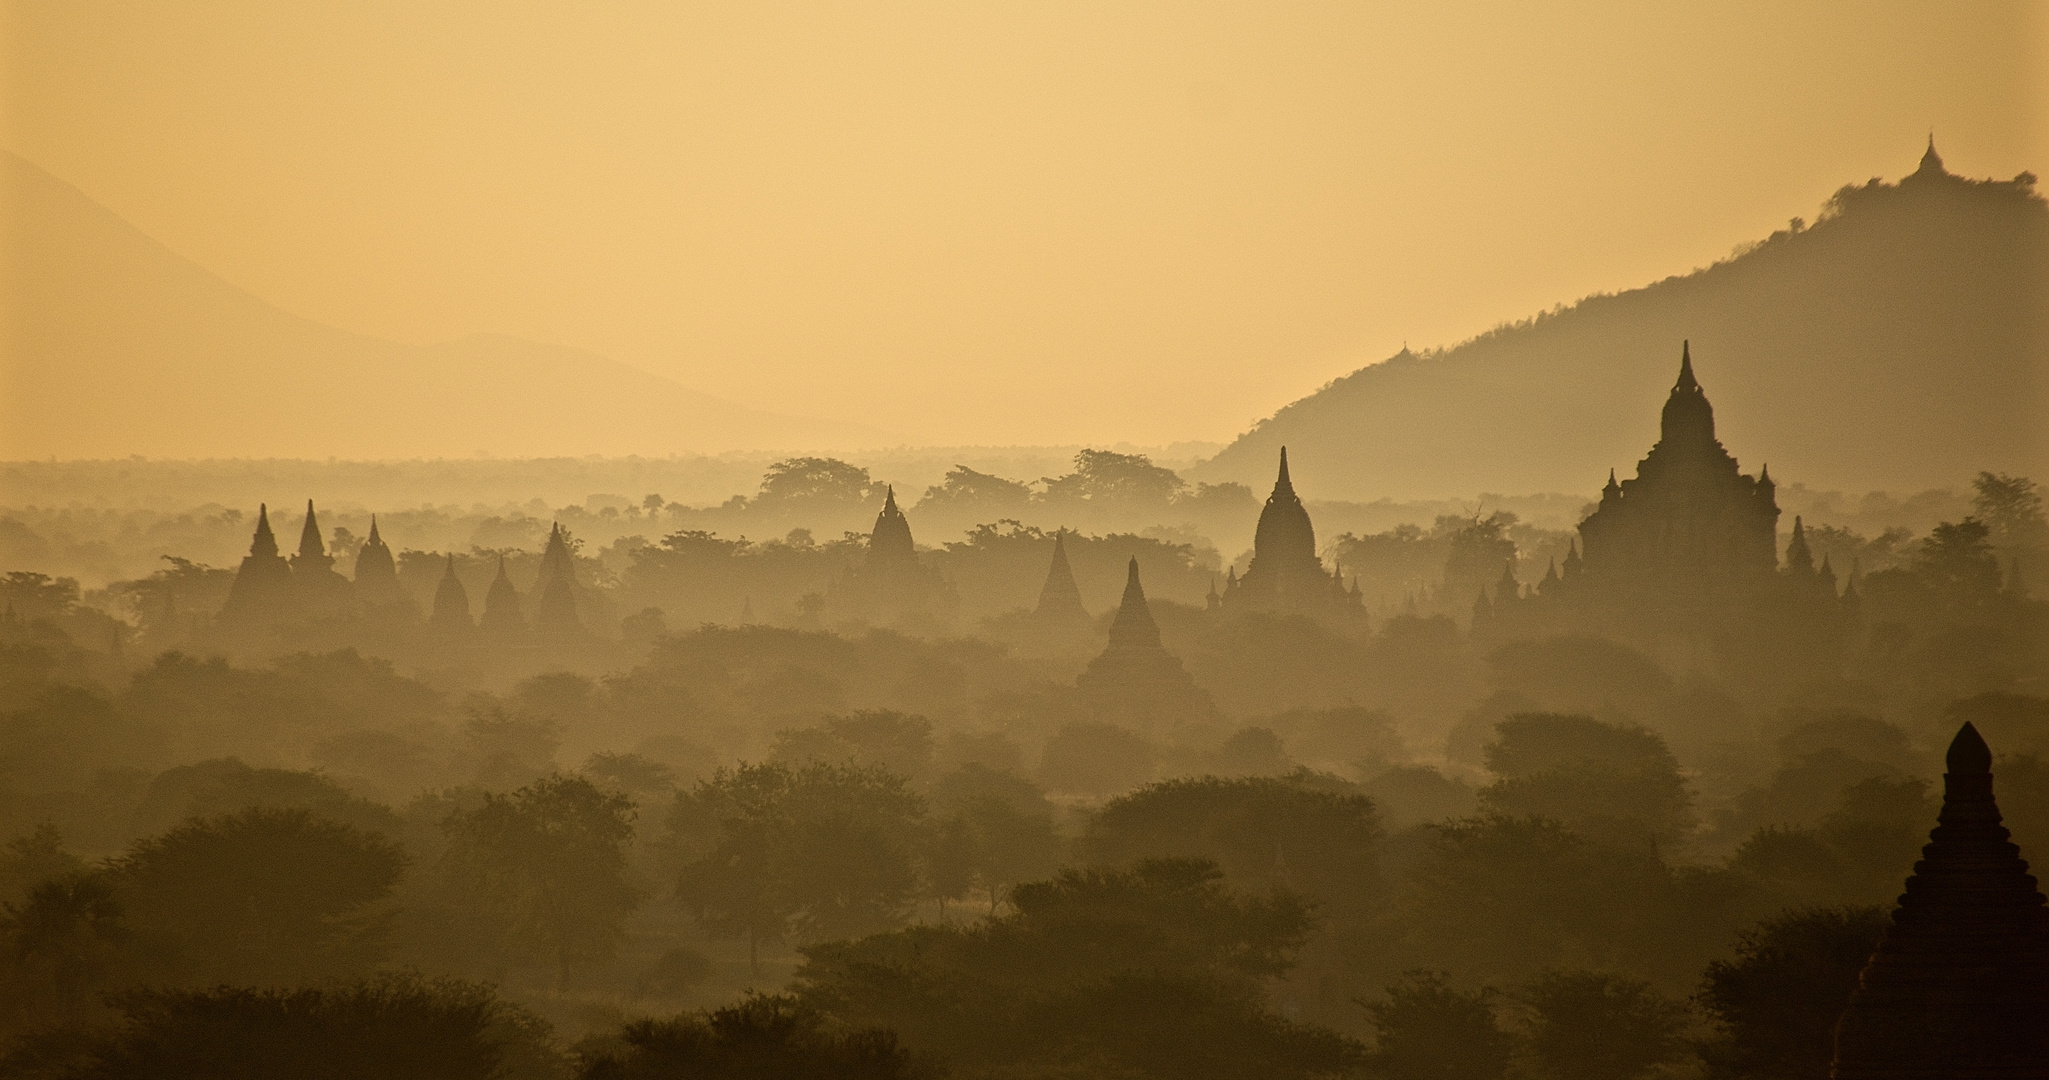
(1959,986)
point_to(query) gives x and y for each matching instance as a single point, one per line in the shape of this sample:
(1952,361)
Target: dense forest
(742,827)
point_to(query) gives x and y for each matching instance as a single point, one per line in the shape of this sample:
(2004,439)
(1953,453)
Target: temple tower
(377,573)
(1060,598)
(502,614)
(1689,533)
(1959,986)
(555,612)
(1285,575)
(317,589)
(1136,682)
(451,605)
(262,592)
(891,587)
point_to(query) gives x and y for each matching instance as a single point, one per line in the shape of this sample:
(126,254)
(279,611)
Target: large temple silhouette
(1135,682)
(1959,986)
(1285,574)
(891,587)
(1682,559)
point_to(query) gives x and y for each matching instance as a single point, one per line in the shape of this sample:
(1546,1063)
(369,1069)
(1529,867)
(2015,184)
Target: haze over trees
(1022,776)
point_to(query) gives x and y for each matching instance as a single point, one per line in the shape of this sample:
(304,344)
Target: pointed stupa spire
(264,544)
(889,543)
(309,535)
(1508,588)
(1060,597)
(1799,557)
(1134,626)
(451,603)
(1931,162)
(555,610)
(502,614)
(1959,985)
(376,573)
(1611,490)
(261,593)
(1688,418)
(1285,573)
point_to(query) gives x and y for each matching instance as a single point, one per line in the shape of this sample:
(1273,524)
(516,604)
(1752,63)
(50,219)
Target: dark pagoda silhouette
(262,593)
(503,618)
(376,574)
(451,617)
(1135,682)
(1689,530)
(1682,561)
(1285,574)
(891,587)
(555,610)
(1959,986)
(318,591)
(1060,605)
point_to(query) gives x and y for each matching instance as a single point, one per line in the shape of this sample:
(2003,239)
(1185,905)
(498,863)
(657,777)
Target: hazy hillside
(112,344)
(1900,342)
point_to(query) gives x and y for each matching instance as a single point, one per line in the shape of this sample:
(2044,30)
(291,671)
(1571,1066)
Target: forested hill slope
(1900,343)
(112,344)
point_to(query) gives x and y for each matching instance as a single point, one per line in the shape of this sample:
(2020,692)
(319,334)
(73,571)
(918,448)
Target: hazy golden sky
(995,222)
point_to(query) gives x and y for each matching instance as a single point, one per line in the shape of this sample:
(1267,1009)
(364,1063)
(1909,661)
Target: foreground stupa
(1959,987)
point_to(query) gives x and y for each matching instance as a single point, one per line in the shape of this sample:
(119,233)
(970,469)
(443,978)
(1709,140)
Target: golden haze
(992,223)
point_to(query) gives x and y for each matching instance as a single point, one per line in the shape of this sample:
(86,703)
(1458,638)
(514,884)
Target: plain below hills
(1901,342)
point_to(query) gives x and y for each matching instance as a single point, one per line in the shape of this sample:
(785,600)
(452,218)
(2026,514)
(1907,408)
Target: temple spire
(264,544)
(309,536)
(1060,597)
(1960,983)
(1134,626)
(1282,483)
(451,603)
(1686,379)
(1931,162)
(1799,557)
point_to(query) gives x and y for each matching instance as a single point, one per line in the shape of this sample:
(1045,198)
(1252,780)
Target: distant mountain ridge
(112,344)
(1900,343)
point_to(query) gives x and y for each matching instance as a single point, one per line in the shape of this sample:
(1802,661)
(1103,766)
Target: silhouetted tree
(763,1037)
(1103,477)
(1777,1001)
(390,1028)
(1587,1025)
(1150,971)
(1262,832)
(1426,1029)
(814,852)
(1611,782)
(544,869)
(259,895)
